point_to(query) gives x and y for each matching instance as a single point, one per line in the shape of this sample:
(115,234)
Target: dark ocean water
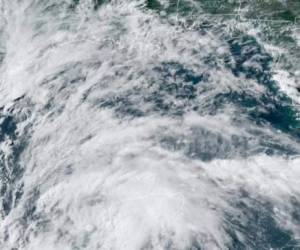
(149,124)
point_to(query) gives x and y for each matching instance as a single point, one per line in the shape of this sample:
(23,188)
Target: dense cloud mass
(154,124)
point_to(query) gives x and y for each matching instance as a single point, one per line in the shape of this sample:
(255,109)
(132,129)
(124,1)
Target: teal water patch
(269,109)
(251,60)
(182,8)
(168,83)
(154,5)
(255,227)
(96,3)
(11,169)
(274,107)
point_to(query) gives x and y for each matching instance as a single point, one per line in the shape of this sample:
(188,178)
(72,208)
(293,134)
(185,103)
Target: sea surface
(149,124)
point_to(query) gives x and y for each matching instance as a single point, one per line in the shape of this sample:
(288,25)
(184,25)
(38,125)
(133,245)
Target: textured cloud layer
(124,125)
